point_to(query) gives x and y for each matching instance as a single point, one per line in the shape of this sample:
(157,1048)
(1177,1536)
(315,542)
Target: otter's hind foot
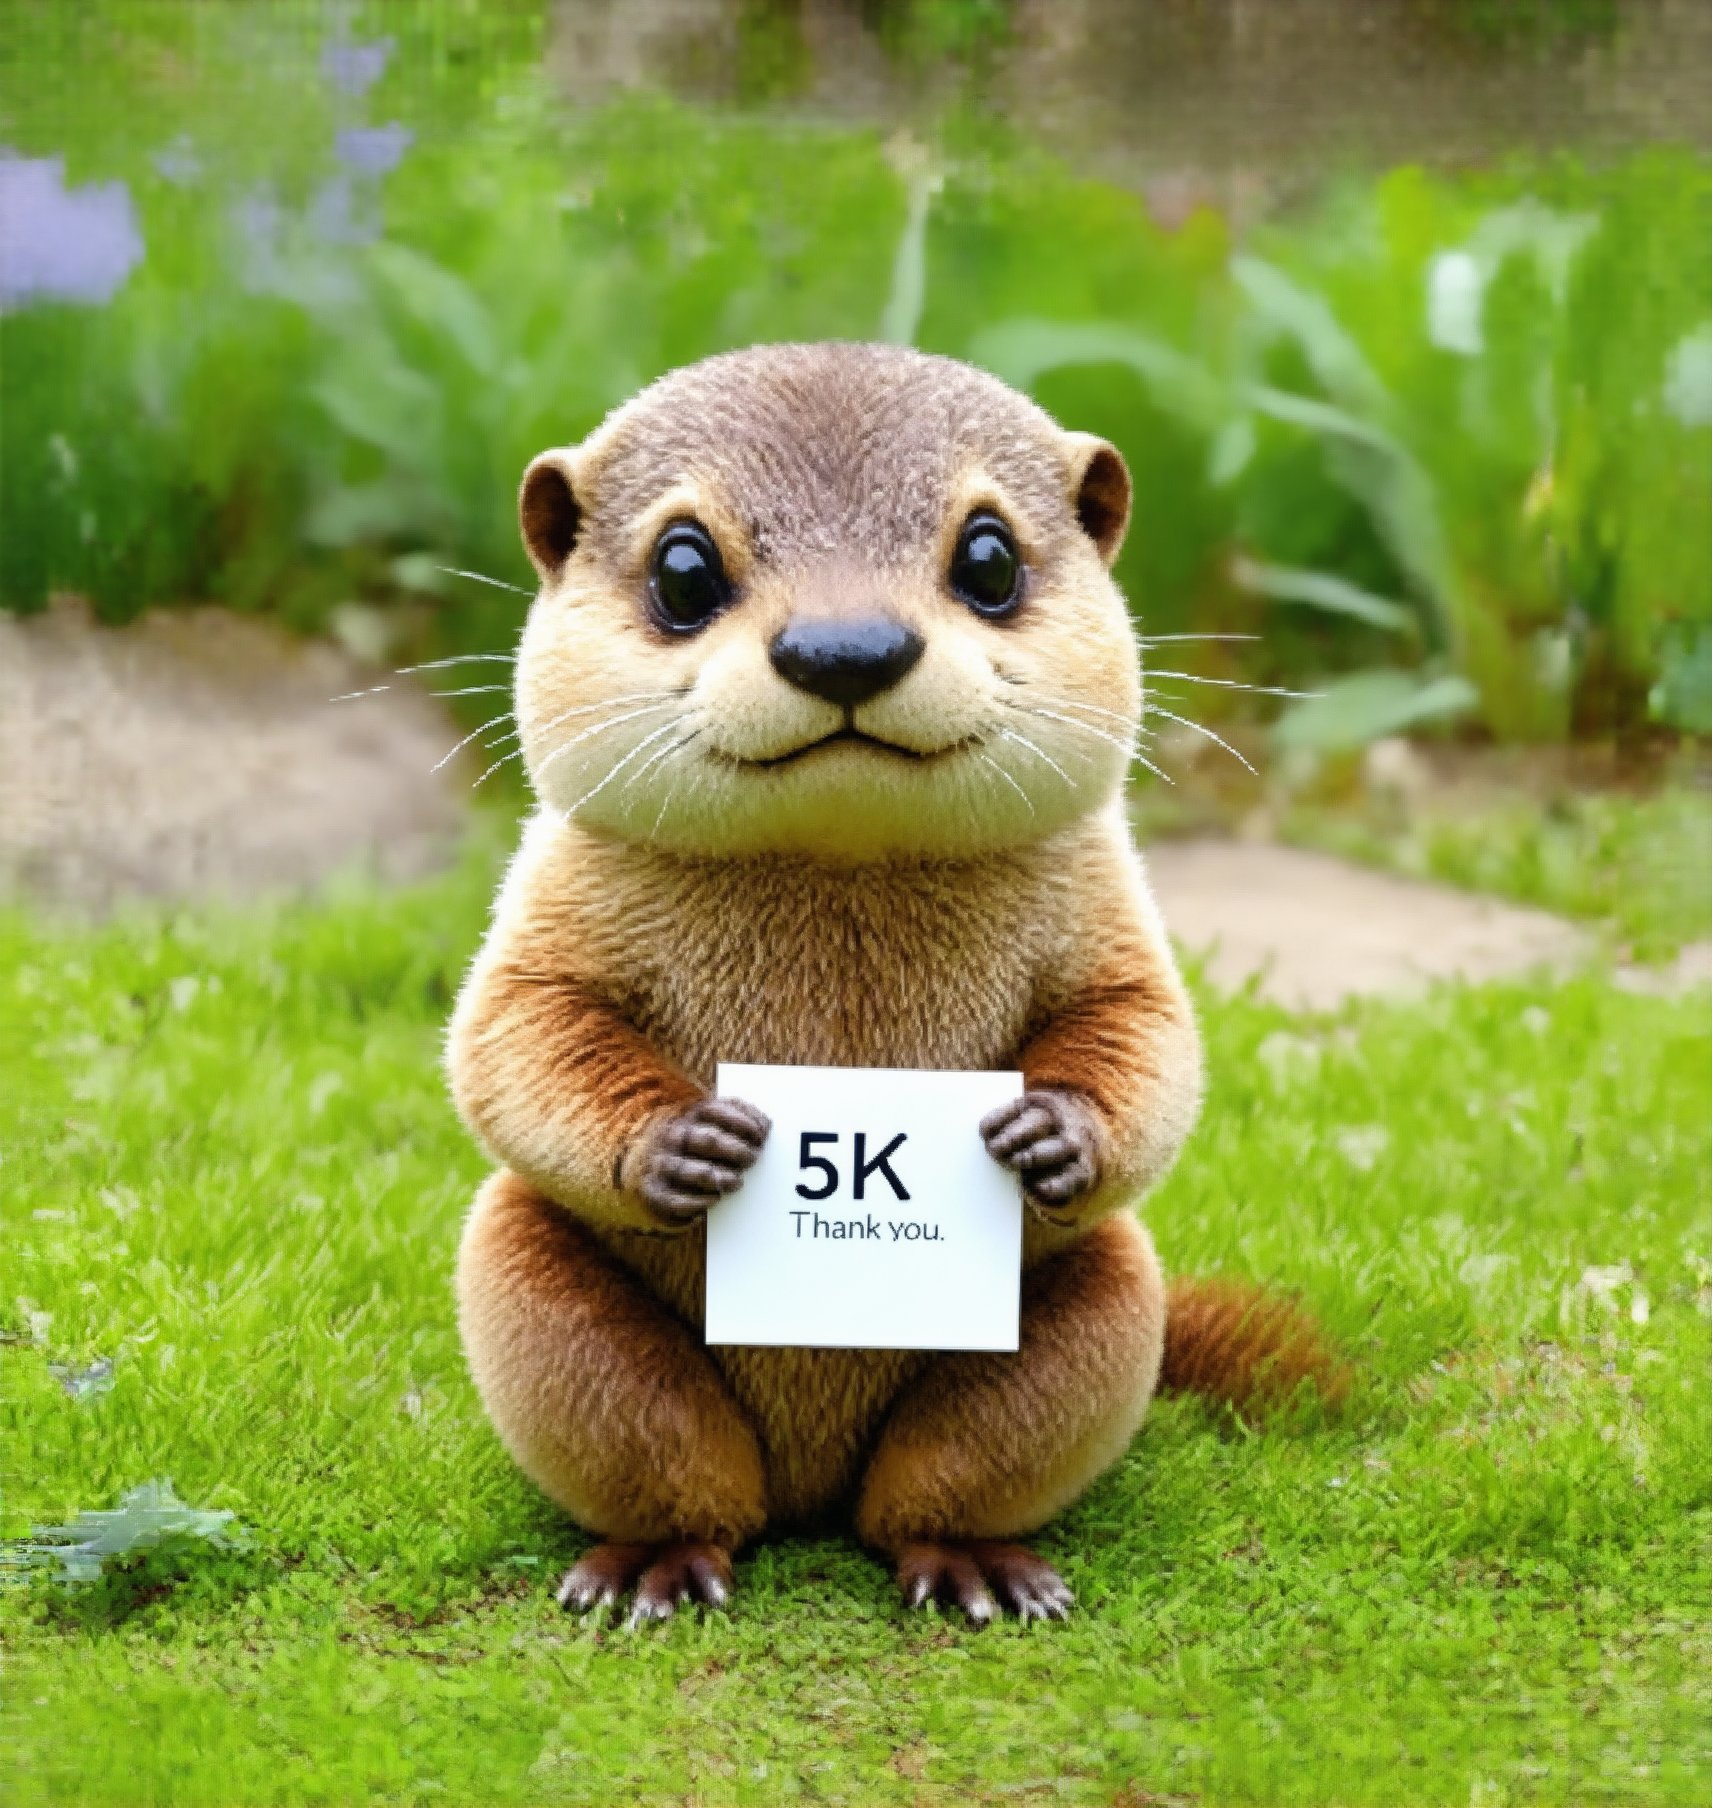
(664,1576)
(984,1577)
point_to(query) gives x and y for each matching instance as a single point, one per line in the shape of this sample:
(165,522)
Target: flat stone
(1315,930)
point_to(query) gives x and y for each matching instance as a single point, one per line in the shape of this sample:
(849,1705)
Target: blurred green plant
(1540,24)
(1441,439)
(1491,378)
(1474,428)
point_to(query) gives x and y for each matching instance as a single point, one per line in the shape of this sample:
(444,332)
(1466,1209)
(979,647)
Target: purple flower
(282,252)
(355,68)
(373,150)
(340,215)
(60,244)
(260,220)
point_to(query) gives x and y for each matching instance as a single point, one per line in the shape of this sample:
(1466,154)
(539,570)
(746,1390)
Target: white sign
(874,1218)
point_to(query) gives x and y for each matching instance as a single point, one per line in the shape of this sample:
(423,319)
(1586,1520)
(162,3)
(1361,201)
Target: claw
(664,1576)
(984,1577)
(980,1607)
(712,1579)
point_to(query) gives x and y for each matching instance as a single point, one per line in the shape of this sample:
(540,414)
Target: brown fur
(603,1396)
(962,895)
(1245,1346)
(987,1446)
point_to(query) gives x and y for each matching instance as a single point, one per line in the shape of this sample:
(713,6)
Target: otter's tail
(1230,1341)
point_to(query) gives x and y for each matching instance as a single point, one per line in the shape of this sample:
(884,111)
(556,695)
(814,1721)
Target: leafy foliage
(1500,367)
(1445,428)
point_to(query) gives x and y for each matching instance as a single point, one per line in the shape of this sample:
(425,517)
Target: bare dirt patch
(195,753)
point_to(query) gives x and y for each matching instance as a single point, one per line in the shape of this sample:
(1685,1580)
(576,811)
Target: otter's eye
(986,570)
(690,586)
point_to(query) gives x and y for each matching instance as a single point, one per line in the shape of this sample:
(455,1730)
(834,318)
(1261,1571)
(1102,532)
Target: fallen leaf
(147,1515)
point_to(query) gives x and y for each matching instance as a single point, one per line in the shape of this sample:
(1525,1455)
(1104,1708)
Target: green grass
(228,1164)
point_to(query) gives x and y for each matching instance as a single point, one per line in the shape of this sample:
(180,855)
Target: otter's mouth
(854,737)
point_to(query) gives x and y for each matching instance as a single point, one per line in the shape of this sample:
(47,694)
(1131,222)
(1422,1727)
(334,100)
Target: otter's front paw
(1051,1139)
(690,1162)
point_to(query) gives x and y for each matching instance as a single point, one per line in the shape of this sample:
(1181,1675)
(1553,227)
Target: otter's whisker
(1126,748)
(435,665)
(515,754)
(503,760)
(599,728)
(1142,760)
(654,759)
(474,733)
(588,709)
(665,805)
(1159,640)
(553,722)
(1114,715)
(1235,684)
(1039,753)
(594,791)
(481,577)
(672,789)
(1217,740)
(473,690)
(988,760)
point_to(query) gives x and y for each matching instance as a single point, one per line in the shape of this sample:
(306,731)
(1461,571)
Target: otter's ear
(1100,489)
(549,512)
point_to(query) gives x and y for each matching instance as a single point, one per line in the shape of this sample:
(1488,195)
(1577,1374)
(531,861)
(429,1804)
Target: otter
(827,698)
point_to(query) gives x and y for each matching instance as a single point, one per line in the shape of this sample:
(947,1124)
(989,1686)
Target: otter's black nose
(846,662)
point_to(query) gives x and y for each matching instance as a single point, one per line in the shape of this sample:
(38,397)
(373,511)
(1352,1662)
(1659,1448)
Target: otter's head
(848,601)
